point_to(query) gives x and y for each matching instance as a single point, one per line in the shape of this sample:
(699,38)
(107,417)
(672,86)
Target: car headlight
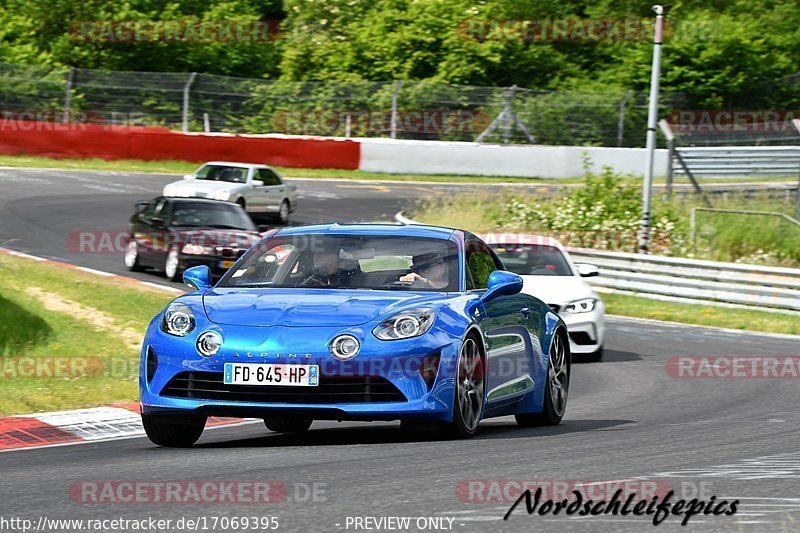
(208,343)
(220,195)
(178,320)
(195,249)
(404,325)
(580,306)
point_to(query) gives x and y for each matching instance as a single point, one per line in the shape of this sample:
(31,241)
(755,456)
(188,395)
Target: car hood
(309,307)
(557,289)
(189,187)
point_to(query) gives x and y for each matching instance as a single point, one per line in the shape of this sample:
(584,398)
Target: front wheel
(596,356)
(173,431)
(283,212)
(172,264)
(556,389)
(288,425)
(469,391)
(132,256)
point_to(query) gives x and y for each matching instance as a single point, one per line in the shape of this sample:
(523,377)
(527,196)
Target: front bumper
(382,365)
(586,330)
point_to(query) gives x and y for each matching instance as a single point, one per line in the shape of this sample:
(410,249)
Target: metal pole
(395,96)
(796,123)
(508,114)
(652,119)
(186,88)
(206,123)
(667,132)
(68,96)
(621,121)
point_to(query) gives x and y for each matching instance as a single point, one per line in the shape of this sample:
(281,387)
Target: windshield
(220,215)
(349,262)
(222,173)
(533,259)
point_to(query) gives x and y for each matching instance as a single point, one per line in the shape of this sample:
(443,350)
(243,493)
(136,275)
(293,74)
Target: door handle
(525,312)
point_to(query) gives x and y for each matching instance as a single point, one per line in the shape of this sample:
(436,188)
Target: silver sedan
(259,189)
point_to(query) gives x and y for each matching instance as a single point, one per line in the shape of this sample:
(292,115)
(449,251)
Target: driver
(428,271)
(326,269)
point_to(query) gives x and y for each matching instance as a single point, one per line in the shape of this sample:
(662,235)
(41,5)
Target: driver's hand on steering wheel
(411,277)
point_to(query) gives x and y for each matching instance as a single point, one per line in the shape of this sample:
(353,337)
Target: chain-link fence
(405,110)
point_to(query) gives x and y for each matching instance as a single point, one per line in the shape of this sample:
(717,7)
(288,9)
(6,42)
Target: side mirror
(502,283)
(198,277)
(188,176)
(258,183)
(587,271)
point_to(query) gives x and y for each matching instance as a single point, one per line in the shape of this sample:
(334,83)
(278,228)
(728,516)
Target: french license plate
(226,264)
(271,374)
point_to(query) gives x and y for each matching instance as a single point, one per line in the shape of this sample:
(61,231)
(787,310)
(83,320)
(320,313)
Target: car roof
(411,230)
(236,164)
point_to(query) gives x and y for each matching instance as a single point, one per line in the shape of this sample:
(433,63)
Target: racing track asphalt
(626,419)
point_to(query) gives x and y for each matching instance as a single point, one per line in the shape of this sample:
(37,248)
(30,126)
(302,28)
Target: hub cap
(557,375)
(131,252)
(171,266)
(470,384)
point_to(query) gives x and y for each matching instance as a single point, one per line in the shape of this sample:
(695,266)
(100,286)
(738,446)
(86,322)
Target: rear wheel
(288,425)
(556,390)
(469,391)
(242,203)
(173,431)
(132,256)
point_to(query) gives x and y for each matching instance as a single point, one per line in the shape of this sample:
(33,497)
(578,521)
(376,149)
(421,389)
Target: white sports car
(549,274)
(257,188)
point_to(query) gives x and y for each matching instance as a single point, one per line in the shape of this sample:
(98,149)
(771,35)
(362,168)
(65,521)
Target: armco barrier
(730,283)
(151,143)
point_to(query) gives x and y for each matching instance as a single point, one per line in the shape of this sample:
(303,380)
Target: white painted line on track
(98,272)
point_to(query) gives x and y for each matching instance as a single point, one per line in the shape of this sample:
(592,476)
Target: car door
(272,192)
(506,323)
(147,229)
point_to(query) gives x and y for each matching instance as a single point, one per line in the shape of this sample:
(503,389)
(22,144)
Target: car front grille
(331,389)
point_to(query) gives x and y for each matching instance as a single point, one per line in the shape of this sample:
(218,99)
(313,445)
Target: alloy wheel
(470,384)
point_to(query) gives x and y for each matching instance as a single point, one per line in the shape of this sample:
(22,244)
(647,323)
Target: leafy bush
(605,214)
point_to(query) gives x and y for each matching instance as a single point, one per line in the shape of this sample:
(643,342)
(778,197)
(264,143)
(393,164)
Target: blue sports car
(355,322)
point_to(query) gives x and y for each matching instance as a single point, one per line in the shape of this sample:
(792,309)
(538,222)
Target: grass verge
(701,315)
(78,359)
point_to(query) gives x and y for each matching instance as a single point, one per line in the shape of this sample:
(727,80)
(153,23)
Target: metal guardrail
(762,287)
(740,160)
